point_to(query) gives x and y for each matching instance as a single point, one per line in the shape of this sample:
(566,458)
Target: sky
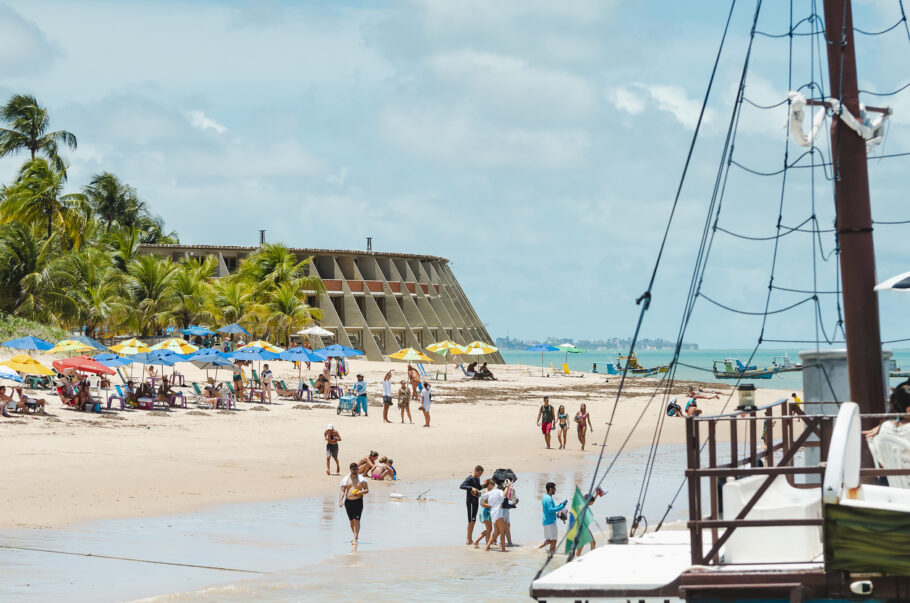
(536,144)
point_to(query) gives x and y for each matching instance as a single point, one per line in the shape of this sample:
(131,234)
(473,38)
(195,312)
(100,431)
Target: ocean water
(299,550)
(702,359)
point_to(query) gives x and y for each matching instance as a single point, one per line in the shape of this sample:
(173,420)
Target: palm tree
(234,300)
(37,196)
(286,310)
(114,201)
(274,265)
(28,123)
(148,292)
(29,271)
(94,287)
(192,292)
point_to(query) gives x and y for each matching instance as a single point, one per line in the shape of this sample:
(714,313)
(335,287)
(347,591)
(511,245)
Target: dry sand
(70,466)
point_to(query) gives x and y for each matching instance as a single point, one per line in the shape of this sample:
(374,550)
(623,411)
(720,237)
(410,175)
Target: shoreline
(70,467)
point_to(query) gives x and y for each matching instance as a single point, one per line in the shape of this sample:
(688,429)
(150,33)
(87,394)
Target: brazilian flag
(581,533)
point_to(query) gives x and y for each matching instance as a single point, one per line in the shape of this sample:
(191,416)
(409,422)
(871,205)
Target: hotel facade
(375,302)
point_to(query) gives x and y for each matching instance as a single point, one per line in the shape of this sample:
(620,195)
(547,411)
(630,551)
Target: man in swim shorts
(332,437)
(351,498)
(472,487)
(545,414)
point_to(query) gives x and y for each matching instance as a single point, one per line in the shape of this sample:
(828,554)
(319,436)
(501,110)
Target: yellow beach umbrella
(478,348)
(265,345)
(178,345)
(443,347)
(70,345)
(28,365)
(411,354)
(130,347)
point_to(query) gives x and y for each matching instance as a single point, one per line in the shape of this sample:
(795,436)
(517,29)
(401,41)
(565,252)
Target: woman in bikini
(382,469)
(583,422)
(365,467)
(563,432)
(404,401)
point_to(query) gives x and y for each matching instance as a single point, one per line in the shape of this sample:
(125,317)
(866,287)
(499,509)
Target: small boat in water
(733,368)
(637,369)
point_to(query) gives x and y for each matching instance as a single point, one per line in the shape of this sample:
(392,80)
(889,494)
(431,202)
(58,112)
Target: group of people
(547,417)
(23,404)
(416,391)
(479,373)
(493,501)
(691,409)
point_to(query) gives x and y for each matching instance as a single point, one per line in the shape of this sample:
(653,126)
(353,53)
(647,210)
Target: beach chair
(197,393)
(423,371)
(302,389)
(256,382)
(892,452)
(467,375)
(122,376)
(119,396)
(445,377)
(71,402)
(555,371)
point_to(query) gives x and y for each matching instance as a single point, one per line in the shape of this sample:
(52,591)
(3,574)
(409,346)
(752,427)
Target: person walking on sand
(550,509)
(414,378)
(425,399)
(404,401)
(353,489)
(485,517)
(332,437)
(562,432)
(386,396)
(360,390)
(495,499)
(267,383)
(583,422)
(545,413)
(471,485)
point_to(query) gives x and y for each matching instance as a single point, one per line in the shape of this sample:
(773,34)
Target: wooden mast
(854,218)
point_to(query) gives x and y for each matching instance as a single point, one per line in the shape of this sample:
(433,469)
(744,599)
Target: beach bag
(501,475)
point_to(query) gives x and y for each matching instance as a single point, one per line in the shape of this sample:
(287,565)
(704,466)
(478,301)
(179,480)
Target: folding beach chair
(567,372)
(555,371)
(122,376)
(423,371)
(256,381)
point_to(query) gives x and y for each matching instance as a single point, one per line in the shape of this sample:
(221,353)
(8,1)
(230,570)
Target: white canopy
(316,330)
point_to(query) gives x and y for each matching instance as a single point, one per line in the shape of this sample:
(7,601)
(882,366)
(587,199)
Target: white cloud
(458,139)
(203,122)
(24,48)
(637,97)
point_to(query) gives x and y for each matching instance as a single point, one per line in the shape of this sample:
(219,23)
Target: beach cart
(347,404)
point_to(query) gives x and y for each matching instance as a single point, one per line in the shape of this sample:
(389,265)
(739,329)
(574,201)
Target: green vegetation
(71,260)
(13,327)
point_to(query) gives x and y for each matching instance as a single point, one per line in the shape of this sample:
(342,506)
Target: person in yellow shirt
(799,402)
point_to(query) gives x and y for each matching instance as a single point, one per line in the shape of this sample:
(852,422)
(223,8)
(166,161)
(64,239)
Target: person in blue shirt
(360,390)
(550,509)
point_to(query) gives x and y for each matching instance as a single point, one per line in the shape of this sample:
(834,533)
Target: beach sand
(68,467)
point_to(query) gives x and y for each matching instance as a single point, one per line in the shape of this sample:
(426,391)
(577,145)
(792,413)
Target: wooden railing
(786,430)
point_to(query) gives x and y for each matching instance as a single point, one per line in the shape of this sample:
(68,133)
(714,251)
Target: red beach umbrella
(84,364)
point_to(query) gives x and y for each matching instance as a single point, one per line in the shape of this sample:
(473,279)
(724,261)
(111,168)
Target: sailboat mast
(854,217)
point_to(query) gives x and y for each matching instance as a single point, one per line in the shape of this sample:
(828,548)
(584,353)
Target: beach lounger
(423,371)
(256,381)
(568,373)
(555,371)
(71,403)
(467,375)
(119,396)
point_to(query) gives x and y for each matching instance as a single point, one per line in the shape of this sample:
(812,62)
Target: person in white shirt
(351,498)
(425,399)
(494,499)
(386,396)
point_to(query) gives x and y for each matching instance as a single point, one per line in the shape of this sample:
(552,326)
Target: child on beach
(583,423)
(485,515)
(563,430)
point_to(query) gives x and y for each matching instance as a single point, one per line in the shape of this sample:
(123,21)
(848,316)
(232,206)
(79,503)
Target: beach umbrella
(478,348)
(130,347)
(336,350)
(83,364)
(317,331)
(568,348)
(28,365)
(443,347)
(210,358)
(177,345)
(112,360)
(262,345)
(197,330)
(70,346)
(233,328)
(256,353)
(542,347)
(28,343)
(159,358)
(90,342)
(901,282)
(8,373)
(410,354)
(300,355)
(169,330)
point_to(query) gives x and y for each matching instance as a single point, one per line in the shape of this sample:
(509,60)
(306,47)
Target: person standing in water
(545,413)
(472,486)
(583,422)
(353,489)
(550,509)
(495,499)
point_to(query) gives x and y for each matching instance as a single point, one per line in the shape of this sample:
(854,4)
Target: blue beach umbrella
(210,358)
(8,373)
(90,342)
(233,328)
(197,330)
(336,350)
(542,347)
(253,354)
(159,358)
(112,360)
(300,354)
(28,343)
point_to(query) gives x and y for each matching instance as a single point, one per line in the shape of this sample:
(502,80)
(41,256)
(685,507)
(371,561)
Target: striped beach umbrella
(70,346)
(410,354)
(178,345)
(479,348)
(263,345)
(130,347)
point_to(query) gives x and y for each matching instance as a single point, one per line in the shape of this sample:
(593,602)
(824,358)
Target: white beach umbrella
(901,282)
(316,330)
